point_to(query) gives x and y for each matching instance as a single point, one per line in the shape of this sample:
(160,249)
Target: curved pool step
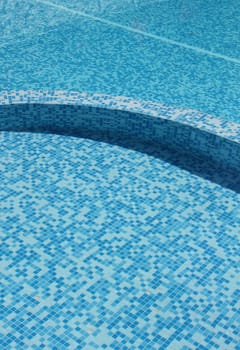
(81,114)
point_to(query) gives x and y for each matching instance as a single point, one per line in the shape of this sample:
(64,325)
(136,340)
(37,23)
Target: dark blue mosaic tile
(83,114)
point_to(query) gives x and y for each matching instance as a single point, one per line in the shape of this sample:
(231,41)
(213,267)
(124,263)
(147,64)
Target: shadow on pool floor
(228,178)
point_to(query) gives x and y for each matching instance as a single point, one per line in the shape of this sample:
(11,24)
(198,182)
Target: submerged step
(182,130)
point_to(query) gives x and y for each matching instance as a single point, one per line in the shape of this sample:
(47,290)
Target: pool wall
(82,115)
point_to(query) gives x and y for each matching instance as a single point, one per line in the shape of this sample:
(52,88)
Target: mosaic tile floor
(105,247)
(179,53)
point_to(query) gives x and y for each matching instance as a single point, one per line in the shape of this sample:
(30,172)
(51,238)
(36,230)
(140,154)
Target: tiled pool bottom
(109,248)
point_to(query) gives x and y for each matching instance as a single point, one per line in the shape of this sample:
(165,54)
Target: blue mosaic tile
(129,240)
(55,47)
(83,114)
(208,25)
(105,247)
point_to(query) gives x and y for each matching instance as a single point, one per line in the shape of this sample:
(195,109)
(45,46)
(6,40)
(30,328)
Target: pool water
(175,52)
(109,241)
(107,247)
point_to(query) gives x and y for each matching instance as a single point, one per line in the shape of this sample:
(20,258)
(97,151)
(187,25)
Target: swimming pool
(134,50)
(119,159)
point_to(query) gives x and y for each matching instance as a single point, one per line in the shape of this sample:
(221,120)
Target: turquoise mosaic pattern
(129,240)
(121,49)
(204,24)
(109,248)
(82,114)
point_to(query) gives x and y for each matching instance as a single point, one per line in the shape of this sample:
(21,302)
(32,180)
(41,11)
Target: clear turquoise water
(112,247)
(176,52)
(104,247)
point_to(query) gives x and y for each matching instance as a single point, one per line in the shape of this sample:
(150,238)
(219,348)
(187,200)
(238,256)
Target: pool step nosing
(64,112)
